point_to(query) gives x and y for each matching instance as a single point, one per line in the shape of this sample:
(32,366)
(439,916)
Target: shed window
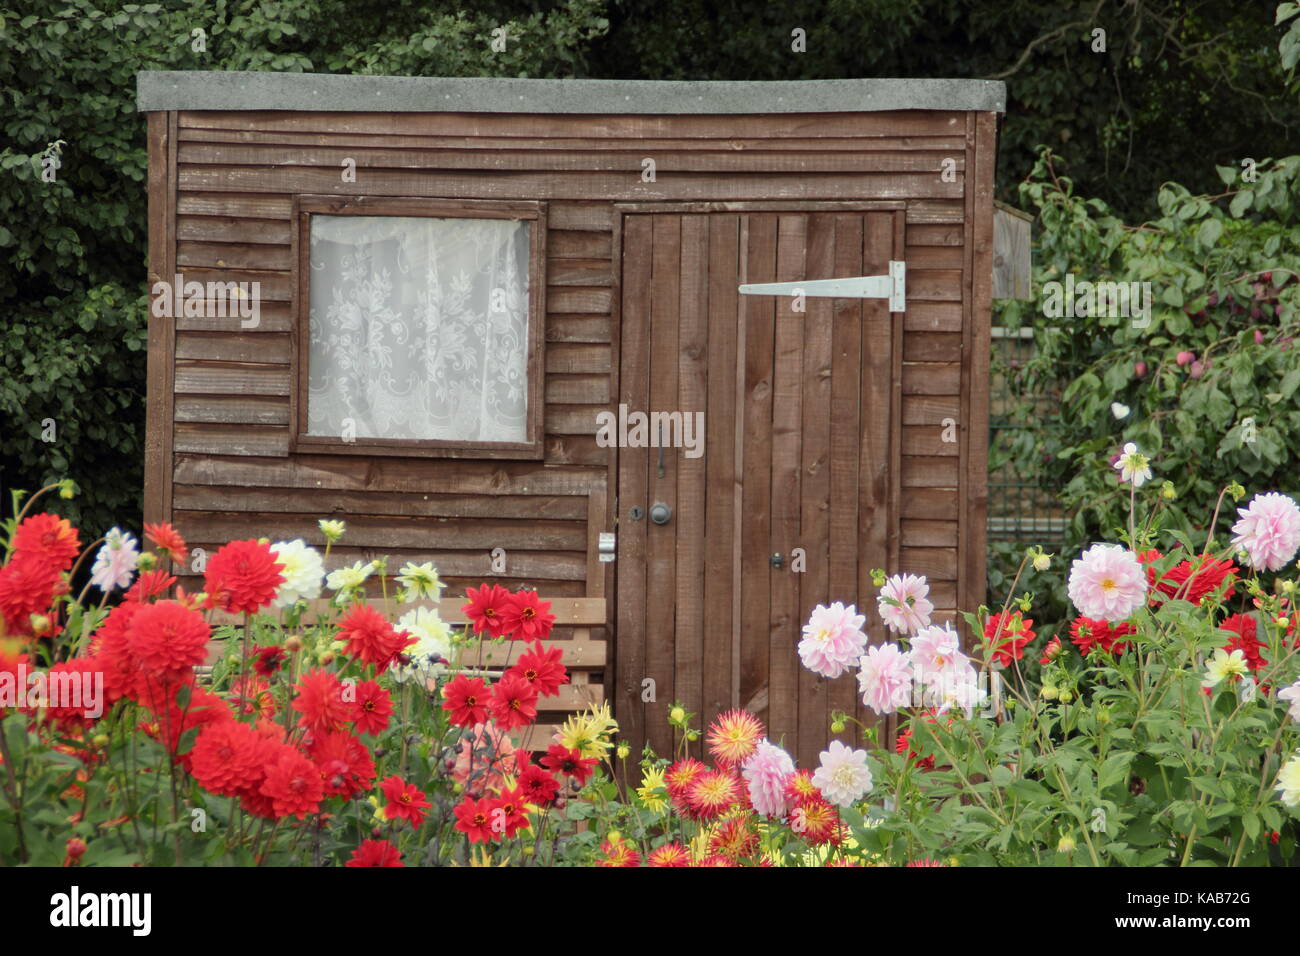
(418,330)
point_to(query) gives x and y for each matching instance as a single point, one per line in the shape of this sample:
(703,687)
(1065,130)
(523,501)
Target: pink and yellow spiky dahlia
(800,789)
(716,859)
(670,854)
(679,777)
(734,838)
(818,822)
(618,852)
(734,735)
(711,793)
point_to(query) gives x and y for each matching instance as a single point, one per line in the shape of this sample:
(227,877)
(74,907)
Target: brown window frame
(304,207)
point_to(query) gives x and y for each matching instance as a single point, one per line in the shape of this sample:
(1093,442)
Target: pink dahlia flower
(1269,530)
(903,604)
(885,678)
(833,639)
(1107,583)
(766,771)
(843,777)
(936,651)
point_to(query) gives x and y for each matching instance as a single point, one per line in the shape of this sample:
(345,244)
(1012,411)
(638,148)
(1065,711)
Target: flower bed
(1162,731)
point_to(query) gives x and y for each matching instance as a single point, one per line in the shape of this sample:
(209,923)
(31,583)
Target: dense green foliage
(1210,386)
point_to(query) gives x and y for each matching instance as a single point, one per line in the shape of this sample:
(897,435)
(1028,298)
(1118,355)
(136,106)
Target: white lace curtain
(419,328)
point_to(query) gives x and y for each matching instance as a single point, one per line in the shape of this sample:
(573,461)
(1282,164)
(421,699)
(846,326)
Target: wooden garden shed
(456,276)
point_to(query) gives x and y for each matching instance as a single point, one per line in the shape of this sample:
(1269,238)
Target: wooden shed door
(797,443)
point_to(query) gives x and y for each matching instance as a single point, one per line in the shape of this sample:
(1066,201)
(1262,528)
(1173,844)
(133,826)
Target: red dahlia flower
(48,539)
(405,802)
(150,584)
(474,818)
(513,702)
(252,695)
(268,660)
(1244,629)
(322,703)
(1085,633)
(467,700)
(1052,651)
(1008,633)
(562,760)
(168,640)
(734,838)
(541,667)
(227,758)
(28,585)
(527,617)
(903,745)
(373,708)
(485,609)
(1205,578)
(370,638)
(293,785)
(345,765)
(375,853)
(166,540)
(679,777)
(243,577)
(512,816)
(537,786)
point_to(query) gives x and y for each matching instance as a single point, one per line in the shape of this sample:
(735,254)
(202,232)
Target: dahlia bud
(1282,621)
(837,725)
(293,644)
(1042,562)
(877,577)
(67,488)
(1049,692)
(333,530)
(327,659)
(623,750)
(677,715)
(692,735)
(147,561)
(1103,716)
(76,849)
(1066,845)
(100,740)
(613,836)
(41,625)
(1236,491)
(1167,491)
(1066,696)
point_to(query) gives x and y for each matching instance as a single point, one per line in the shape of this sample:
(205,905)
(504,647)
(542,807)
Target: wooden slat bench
(576,618)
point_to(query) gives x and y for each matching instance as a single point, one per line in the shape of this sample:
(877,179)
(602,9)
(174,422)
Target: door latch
(777,560)
(605,546)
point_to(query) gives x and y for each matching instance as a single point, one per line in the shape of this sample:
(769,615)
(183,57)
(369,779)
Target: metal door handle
(660,513)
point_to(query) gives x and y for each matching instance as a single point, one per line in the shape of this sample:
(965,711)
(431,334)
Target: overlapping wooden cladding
(234,177)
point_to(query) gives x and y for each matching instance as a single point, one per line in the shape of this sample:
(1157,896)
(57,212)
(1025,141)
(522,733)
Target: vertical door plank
(720,464)
(878,437)
(760,316)
(691,517)
(846,379)
(814,484)
(634,372)
(787,404)
(661,540)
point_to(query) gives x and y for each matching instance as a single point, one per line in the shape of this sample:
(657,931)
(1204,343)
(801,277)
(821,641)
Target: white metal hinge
(605,546)
(891,286)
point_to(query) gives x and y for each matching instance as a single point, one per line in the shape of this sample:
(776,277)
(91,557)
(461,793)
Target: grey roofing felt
(201,90)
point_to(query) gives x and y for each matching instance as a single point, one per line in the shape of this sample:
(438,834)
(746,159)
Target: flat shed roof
(217,90)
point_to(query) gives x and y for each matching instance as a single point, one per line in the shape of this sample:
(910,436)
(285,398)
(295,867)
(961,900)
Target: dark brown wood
(721,502)
(661,480)
(814,485)
(787,414)
(756,468)
(633,391)
(162,330)
(692,397)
